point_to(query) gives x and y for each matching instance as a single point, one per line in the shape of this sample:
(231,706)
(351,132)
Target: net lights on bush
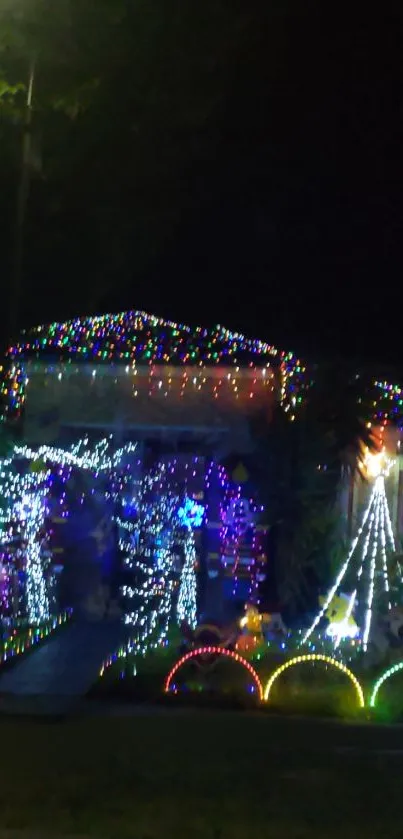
(154,529)
(312,658)
(219,651)
(147,539)
(31,512)
(187,599)
(373,540)
(378,684)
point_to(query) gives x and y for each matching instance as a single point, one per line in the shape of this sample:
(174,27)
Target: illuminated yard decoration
(368,555)
(215,651)
(385,676)
(187,598)
(301,659)
(191,514)
(26,480)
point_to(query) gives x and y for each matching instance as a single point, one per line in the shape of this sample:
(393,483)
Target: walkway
(57,674)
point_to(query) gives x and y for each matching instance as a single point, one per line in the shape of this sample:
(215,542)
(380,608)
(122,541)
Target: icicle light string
(383,553)
(371,588)
(343,570)
(353,597)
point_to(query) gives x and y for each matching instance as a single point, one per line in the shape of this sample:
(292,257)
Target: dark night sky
(290,203)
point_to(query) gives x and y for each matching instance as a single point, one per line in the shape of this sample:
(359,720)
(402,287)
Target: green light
(385,676)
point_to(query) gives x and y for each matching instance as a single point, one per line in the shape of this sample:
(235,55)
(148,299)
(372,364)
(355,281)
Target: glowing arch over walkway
(385,676)
(215,651)
(312,658)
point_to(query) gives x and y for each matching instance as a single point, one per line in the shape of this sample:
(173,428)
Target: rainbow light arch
(383,678)
(300,659)
(214,651)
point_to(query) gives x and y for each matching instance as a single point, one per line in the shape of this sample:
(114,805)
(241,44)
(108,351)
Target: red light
(214,651)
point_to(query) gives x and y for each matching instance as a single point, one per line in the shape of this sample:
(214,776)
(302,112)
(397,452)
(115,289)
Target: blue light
(191,514)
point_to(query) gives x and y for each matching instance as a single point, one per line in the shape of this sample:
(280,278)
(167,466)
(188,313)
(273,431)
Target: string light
(136,338)
(219,651)
(24,536)
(242,538)
(191,516)
(187,602)
(32,511)
(315,658)
(162,524)
(18,643)
(377,517)
(82,456)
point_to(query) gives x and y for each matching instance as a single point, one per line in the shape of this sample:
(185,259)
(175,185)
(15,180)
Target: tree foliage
(127,98)
(305,467)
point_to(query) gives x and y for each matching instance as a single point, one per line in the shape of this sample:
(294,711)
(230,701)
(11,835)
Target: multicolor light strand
(137,338)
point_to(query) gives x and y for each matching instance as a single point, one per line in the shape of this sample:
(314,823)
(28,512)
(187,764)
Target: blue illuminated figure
(191,514)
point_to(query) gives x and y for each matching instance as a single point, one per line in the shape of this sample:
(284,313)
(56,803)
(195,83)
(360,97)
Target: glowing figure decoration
(301,659)
(191,514)
(341,623)
(342,629)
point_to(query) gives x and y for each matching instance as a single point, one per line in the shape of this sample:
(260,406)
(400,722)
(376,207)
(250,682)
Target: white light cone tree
(367,559)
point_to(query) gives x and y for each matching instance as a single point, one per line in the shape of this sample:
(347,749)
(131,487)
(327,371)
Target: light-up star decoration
(377,464)
(368,557)
(191,514)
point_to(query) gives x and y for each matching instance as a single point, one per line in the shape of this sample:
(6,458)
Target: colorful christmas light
(136,338)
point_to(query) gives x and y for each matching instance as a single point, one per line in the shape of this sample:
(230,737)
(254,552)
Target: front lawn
(201,775)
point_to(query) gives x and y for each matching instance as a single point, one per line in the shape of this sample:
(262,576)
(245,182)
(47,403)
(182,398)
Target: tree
(303,467)
(125,98)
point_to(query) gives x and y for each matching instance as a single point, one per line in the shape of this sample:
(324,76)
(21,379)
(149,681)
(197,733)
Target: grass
(201,775)
(309,688)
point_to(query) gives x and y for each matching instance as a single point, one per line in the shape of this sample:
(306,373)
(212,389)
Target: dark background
(238,163)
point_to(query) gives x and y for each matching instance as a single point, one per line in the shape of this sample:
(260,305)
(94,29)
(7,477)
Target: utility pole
(21,209)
